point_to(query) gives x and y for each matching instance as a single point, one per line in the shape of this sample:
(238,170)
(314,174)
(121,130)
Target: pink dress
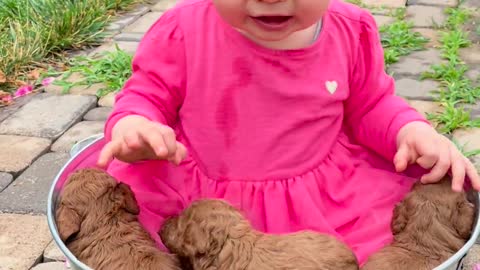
(298,139)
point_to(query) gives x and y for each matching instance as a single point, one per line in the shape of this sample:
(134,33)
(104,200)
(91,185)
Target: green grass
(356,2)
(33,30)
(398,38)
(110,68)
(455,88)
(463,147)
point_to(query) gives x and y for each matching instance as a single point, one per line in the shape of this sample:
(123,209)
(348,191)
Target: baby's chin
(285,40)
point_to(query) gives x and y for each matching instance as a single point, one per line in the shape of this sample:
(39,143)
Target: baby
(280,107)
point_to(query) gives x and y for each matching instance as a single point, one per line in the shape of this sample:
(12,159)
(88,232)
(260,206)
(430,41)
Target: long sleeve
(373,113)
(157,86)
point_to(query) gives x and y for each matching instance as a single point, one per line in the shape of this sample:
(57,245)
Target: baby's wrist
(409,128)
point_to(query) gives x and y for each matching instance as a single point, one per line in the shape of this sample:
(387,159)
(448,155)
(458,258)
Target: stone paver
(107,101)
(50,266)
(473,4)
(143,23)
(415,89)
(98,114)
(416,63)
(425,107)
(426,16)
(53,253)
(431,34)
(473,257)
(22,240)
(125,20)
(385,3)
(382,20)
(76,90)
(18,152)
(29,192)
(140,10)
(445,3)
(5,112)
(127,46)
(471,55)
(135,37)
(47,116)
(5,180)
(163,5)
(77,133)
(470,140)
(474,75)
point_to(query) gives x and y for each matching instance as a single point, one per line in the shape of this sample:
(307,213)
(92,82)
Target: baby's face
(271,20)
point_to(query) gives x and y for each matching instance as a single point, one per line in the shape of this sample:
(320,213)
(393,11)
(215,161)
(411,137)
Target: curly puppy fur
(211,235)
(430,225)
(97,220)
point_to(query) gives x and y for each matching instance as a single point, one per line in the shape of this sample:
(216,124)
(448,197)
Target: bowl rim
(458,256)
(455,258)
(72,259)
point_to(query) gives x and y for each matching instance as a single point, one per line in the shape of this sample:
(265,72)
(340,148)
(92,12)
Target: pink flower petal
(6,99)
(24,90)
(477,267)
(47,81)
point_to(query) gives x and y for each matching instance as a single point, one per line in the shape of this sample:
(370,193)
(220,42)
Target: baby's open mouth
(273,23)
(273,19)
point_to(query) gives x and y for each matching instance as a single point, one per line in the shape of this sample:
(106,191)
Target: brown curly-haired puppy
(97,220)
(213,235)
(430,225)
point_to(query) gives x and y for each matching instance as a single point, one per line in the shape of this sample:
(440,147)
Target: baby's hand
(419,143)
(135,138)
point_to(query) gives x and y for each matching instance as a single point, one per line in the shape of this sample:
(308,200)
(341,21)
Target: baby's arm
(156,88)
(374,115)
(151,98)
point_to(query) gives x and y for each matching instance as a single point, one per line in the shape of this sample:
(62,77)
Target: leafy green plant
(398,38)
(110,68)
(455,87)
(33,30)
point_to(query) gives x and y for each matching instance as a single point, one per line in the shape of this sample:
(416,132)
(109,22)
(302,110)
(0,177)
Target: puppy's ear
(184,237)
(463,218)
(68,222)
(196,239)
(400,218)
(125,197)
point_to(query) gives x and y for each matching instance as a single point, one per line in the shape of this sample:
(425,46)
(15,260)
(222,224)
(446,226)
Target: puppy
(211,234)
(97,220)
(430,225)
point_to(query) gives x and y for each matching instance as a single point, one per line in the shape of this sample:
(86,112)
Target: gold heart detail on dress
(331,86)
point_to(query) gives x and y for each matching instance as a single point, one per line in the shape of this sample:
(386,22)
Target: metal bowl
(83,155)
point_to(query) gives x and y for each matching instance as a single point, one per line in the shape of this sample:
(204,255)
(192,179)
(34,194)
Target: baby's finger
(154,139)
(427,161)
(472,174)
(108,153)
(169,139)
(458,170)
(401,158)
(180,154)
(439,170)
(134,141)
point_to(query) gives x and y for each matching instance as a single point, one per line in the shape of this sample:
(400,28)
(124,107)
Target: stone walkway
(37,132)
